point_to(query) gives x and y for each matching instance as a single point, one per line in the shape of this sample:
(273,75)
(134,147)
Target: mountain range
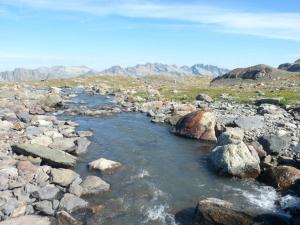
(45,73)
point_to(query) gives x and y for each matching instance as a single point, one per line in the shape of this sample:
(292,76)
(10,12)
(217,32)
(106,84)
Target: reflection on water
(162,175)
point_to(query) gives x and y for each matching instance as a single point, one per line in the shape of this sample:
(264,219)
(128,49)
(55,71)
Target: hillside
(292,67)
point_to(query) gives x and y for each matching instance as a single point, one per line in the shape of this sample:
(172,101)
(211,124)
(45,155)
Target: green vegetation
(184,88)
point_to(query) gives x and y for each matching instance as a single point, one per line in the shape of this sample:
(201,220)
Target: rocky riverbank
(38,150)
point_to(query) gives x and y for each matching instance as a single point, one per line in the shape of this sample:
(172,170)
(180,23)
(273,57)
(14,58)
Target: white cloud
(271,25)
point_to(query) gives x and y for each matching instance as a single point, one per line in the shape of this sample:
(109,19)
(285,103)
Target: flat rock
(71,203)
(94,185)
(63,144)
(27,220)
(52,157)
(63,177)
(104,165)
(250,122)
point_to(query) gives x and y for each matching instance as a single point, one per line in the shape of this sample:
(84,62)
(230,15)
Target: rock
(104,165)
(268,109)
(85,133)
(27,220)
(235,160)
(41,140)
(273,144)
(198,125)
(82,145)
(212,211)
(250,122)
(20,211)
(52,157)
(63,144)
(280,177)
(27,170)
(71,203)
(24,117)
(63,177)
(231,136)
(52,101)
(65,218)
(272,101)
(46,193)
(76,189)
(259,149)
(204,97)
(45,207)
(93,185)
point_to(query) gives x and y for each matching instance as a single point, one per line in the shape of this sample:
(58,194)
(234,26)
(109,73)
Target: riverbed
(163,175)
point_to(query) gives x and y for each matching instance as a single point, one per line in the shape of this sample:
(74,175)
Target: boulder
(63,144)
(44,207)
(280,177)
(104,165)
(198,125)
(204,97)
(82,145)
(27,220)
(235,160)
(52,157)
(63,177)
(70,203)
(250,122)
(231,136)
(214,211)
(52,101)
(94,185)
(271,101)
(274,144)
(48,192)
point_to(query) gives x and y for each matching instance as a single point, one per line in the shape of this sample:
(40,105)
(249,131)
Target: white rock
(42,140)
(104,165)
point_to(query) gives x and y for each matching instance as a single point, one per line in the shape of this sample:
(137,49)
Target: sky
(103,33)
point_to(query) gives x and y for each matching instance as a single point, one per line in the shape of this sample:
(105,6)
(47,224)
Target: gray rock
(63,144)
(71,203)
(46,193)
(76,189)
(204,97)
(274,144)
(63,177)
(235,160)
(85,133)
(52,157)
(44,207)
(93,185)
(272,101)
(82,145)
(231,136)
(250,122)
(25,117)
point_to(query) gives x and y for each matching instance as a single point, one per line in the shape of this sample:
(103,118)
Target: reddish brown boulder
(199,125)
(280,177)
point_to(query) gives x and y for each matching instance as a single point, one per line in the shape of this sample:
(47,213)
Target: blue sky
(102,33)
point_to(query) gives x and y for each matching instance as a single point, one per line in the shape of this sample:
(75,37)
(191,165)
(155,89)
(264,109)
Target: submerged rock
(52,157)
(198,125)
(104,165)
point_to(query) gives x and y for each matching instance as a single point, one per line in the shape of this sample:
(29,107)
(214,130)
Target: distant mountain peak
(165,69)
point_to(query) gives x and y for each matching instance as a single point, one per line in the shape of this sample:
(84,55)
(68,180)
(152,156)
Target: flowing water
(163,175)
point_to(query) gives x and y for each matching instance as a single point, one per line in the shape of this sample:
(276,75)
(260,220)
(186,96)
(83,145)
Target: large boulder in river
(104,165)
(214,211)
(52,157)
(280,177)
(94,185)
(199,125)
(235,160)
(52,101)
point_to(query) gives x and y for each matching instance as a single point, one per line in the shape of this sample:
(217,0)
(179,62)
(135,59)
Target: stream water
(164,176)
